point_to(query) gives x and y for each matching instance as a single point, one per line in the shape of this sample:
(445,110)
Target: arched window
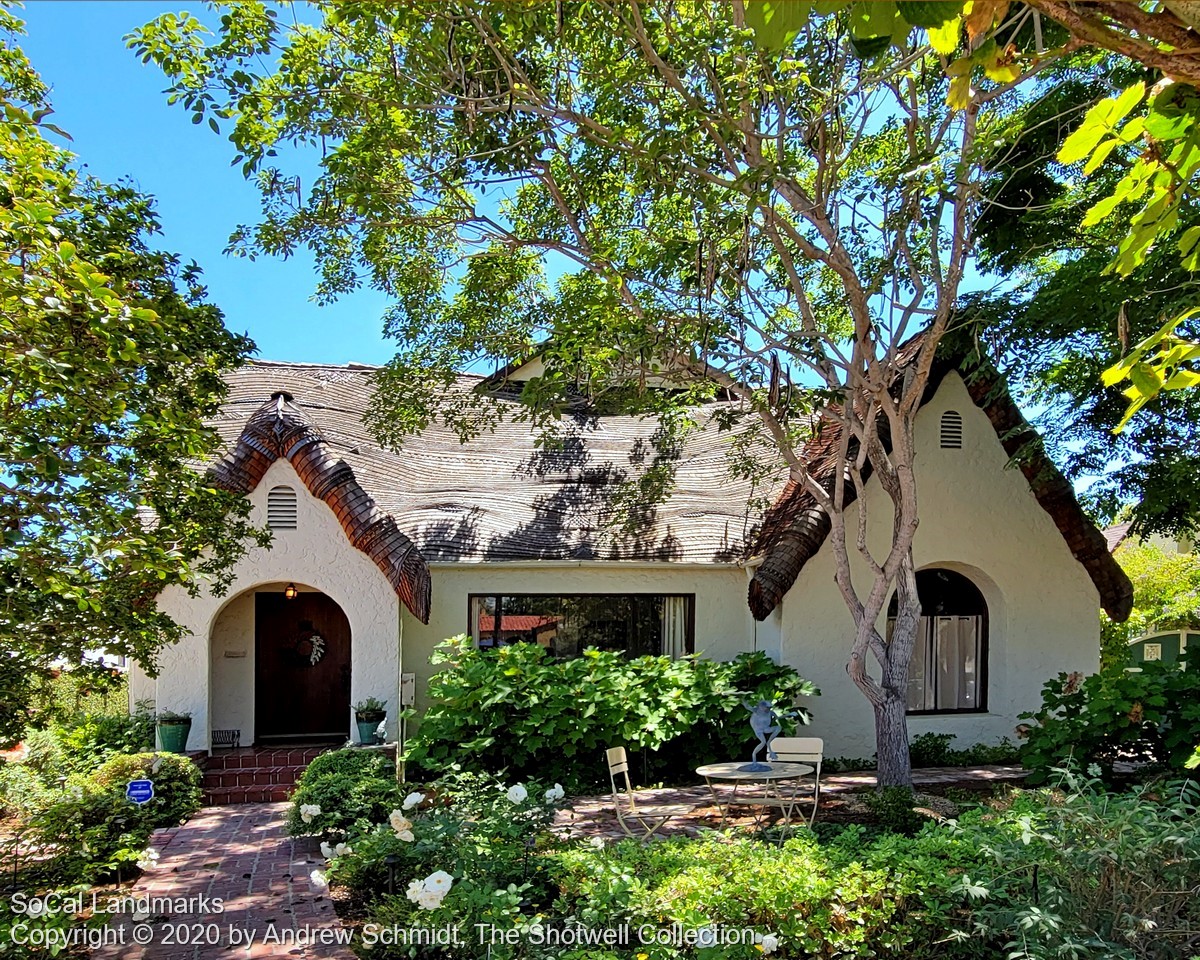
(952,430)
(948,672)
(281,508)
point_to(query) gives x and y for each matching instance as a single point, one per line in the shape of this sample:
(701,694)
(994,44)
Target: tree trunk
(891,740)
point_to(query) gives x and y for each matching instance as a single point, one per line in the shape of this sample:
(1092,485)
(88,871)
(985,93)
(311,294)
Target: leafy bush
(934,750)
(87,688)
(177,793)
(347,785)
(517,709)
(1152,715)
(90,739)
(93,830)
(1090,873)
(893,806)
(847,898)
(483,836)
(22,791)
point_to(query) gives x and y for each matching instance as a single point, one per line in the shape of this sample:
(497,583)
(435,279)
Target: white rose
(342,849)
(428,900)
(148,859)
(555,793)
(439,882)
(412,800)
(318,881)
(415,890)
(402,825)
(308,811)
(770,943)
(517,794)
(326,850)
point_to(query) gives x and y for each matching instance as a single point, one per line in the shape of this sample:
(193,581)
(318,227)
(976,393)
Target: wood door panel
(294,697)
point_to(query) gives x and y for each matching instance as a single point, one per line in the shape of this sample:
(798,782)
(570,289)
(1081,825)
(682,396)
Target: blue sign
(140,791)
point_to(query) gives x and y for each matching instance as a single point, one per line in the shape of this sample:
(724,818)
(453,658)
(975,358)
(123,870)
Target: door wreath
(309,648)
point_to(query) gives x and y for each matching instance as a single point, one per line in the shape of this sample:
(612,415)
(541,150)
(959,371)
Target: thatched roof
(796,526)
(500,496)
(279,429)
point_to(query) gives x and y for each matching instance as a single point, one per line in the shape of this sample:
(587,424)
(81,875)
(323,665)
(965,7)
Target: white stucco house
(389,552)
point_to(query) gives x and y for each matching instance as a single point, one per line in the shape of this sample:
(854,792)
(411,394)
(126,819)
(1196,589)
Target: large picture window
(634,624)
(948,673)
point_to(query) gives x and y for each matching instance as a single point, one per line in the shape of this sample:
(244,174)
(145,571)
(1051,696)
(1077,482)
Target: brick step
(219,796)
(264,758)
(253,777)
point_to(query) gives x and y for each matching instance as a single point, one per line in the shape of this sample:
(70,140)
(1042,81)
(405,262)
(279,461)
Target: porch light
(289,592)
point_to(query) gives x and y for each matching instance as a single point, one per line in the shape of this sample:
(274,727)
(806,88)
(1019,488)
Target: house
(1166,641)
(378,555)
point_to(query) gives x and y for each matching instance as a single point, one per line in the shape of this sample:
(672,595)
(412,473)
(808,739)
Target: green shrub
(517,709)
(93,831)
(487,836)
(90,739)
(851,897)
(893,806)
(1151,715)
(177,793)
(22,791)
(935,750)
(347,785)
(1092,873)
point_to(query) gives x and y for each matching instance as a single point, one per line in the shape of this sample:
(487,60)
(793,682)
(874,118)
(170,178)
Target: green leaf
(930,13)
(1188,249)
(776,23)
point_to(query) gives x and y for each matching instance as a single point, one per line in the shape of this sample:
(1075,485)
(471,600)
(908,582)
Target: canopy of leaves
(1063,318)
(111,362)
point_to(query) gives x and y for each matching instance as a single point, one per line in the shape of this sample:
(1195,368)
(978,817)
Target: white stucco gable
(978,518)
(210,673)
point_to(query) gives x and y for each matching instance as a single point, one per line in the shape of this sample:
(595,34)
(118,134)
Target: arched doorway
(301,668)
(948,672)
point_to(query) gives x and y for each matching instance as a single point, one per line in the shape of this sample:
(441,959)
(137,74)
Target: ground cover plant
(517,709)
(1069,871)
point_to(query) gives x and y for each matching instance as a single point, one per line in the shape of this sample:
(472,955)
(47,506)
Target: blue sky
(114,109)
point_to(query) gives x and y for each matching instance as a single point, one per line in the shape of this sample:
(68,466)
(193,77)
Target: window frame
(690,598)
(984,650)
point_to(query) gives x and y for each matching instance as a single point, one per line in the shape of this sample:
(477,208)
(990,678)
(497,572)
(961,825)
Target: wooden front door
(301,669)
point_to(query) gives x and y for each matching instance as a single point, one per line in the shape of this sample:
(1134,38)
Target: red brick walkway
(243,855)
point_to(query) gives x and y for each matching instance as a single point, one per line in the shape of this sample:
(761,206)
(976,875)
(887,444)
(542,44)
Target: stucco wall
(314,556)
(978,518)
(724,626)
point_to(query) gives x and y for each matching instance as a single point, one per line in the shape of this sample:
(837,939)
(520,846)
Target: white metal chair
(808,750)
(649,819)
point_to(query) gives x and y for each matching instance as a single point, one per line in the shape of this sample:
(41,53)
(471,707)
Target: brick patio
(243,855)
(588,817)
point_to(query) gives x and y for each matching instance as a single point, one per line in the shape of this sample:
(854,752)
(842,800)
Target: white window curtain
(674,627)
(944,673)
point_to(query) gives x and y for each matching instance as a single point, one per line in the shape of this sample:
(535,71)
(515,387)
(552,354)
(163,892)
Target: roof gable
(796,526)
(281,430)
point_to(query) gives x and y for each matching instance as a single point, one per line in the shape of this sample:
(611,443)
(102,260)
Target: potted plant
(368,714)
(173,730)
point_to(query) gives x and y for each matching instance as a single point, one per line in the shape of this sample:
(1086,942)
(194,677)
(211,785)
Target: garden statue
(764,721)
